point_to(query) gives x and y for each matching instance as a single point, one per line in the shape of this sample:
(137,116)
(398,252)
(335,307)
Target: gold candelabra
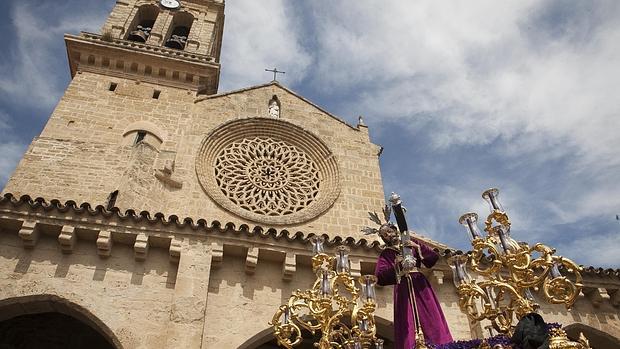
(510,270)
(333,299)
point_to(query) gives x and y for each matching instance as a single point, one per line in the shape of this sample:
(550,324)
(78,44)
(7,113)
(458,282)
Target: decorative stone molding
(141,247)
(614,296)
(175,250)
(268,171)
(217,254)
(29,233)
(67,239)
(289,267)
(104,244)
(594,295)
(251,260)
(356,268)
(439,276)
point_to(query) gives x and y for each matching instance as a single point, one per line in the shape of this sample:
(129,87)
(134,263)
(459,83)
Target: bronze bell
(141,34)
(176,42)
(178,38)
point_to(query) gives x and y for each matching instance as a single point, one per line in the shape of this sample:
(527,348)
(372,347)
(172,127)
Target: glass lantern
(555,271)
(317,245)
(470,221)
(326,286)
(286,316)
(368,288)
(491,197)
(459,270)
(342,260)
(362,324)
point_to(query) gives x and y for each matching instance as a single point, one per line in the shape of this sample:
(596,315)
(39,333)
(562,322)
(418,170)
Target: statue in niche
(274,108)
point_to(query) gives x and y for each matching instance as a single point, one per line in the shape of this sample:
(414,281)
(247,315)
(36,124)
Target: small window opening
(113,86)
(111,200)
(140,137)
(156,94)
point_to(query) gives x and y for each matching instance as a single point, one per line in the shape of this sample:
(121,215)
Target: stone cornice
(142,62)
(27,209)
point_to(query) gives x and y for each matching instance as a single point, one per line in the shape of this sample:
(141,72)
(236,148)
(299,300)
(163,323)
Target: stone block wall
(86,151)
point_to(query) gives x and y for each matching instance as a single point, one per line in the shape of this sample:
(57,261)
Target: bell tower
(173,43)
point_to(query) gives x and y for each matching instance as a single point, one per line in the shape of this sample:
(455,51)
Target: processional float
(343,312)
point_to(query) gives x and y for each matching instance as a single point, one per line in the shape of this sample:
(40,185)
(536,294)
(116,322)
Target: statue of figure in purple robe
(431,318)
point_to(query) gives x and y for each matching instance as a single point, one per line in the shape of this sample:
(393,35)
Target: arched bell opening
(266,340)
(143,24)
(179,31)
(47,321)
(597,338)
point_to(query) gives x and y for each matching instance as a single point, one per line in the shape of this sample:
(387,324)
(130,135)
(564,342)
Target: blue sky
(521,95)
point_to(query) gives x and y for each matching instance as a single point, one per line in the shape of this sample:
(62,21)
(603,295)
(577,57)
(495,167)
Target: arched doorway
(265,339)
(597,338)
(46,321)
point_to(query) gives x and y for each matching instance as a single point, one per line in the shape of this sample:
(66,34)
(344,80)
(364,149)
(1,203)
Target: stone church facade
(93,221)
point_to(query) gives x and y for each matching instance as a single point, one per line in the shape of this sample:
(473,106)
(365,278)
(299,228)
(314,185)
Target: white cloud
(538,77)
(596,250)
(259,35)
(32,73)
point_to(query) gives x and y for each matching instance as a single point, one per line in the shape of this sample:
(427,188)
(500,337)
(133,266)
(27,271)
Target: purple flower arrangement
(475,343)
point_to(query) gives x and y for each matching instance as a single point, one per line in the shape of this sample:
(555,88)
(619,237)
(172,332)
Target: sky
(463,96)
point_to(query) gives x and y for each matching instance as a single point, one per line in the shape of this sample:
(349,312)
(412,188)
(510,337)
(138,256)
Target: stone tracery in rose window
(268,171)
(267,177)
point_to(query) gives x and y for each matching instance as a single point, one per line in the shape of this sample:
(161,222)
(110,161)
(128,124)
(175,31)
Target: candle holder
(508,271)
(322,308)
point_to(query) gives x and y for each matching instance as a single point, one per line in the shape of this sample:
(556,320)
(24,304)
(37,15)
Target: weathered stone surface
(133,120)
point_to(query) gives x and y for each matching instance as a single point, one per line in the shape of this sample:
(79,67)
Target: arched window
(143,23)
(143,132)
(179,30)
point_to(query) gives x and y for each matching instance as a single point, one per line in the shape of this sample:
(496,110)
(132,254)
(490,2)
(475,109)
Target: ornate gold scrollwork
(511,270)
(324,307)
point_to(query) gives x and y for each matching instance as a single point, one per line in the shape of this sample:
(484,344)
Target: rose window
(267,177)
(268,170)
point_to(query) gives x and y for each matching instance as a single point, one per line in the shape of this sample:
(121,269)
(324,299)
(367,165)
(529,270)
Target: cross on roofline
(275,71)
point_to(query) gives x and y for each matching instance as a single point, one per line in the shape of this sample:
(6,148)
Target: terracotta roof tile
(200,224)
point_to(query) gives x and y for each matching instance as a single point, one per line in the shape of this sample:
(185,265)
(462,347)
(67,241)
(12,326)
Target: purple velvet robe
(432,320)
